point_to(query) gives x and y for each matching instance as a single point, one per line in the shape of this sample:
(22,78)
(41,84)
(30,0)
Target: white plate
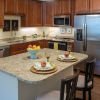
(37,66)
(63,57)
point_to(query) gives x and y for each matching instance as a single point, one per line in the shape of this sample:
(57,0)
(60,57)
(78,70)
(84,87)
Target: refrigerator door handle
(84,38)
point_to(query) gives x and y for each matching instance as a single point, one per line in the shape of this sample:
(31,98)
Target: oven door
(62,46)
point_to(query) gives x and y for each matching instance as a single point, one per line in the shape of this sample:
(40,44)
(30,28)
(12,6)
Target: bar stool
(67,91)
(85,82)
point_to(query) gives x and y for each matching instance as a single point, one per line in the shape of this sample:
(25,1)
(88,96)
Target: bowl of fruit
(32,50)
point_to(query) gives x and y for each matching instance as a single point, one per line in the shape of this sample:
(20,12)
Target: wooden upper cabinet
(57,7)
(34,15)
(10,6)
(48,13)
(62,7)
(81,6)
(22,6)
(37,13)
(94,5)
(66,7)
(1,13)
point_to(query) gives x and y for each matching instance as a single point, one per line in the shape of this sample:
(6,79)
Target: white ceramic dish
(70,57)
(37,66)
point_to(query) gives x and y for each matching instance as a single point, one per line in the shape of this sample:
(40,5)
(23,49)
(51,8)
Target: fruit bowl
(32,54)
(32,50)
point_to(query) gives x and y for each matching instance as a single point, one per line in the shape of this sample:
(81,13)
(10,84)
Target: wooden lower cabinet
(22,47)
(18,48)
(43,43)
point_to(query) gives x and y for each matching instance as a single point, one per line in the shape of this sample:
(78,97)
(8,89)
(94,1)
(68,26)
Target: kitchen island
(17,82)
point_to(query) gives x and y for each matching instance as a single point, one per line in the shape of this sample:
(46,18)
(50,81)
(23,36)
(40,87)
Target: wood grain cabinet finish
(34,14)
(10,7)
(1,13)
(22,47)
(48,13)
(43,43)
(81,6)
(62,7)
(66,7)
(18,48)
(94,6)
(22,7)
(57,7)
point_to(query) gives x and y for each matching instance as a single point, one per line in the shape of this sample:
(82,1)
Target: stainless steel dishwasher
(4,51)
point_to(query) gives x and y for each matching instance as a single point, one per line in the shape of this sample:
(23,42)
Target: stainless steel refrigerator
(87,37)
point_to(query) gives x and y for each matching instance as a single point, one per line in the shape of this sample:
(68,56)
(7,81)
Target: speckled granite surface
(19,65)
(4,43)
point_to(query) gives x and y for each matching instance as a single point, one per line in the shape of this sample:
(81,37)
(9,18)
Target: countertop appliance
(61,21)
(87,37)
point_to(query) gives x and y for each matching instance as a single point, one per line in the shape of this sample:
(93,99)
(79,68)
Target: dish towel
(56,45)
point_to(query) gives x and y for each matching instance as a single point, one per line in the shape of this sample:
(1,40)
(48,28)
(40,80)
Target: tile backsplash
(49,31)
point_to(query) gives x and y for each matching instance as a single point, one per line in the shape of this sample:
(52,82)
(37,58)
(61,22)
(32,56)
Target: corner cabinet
(81,6)
(95,6)
(1,13)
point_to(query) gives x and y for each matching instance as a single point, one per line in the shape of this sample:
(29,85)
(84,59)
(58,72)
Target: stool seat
(81,82)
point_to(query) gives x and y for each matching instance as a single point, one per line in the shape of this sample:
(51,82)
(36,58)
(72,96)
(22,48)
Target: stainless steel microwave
(61,21)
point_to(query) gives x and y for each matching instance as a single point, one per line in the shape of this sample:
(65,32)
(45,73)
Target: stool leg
(84,95)
(89,95)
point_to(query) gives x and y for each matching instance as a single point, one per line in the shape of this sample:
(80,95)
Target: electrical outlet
(62,30)
(69,30)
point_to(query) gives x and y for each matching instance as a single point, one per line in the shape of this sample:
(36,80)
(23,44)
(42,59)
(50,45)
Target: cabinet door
(18,48)
(48,13)
(81,6)
(10,6)
(95,5)
(1,13)
(37,13)
(57,7)
(22,6)
(66,7)
(34,15)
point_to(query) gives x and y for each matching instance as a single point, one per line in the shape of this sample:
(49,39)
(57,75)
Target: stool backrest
(89,72)
(68,87)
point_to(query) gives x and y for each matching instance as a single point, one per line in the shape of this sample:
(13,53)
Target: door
(79,24)
(93,35)
(95,6)
(93,39)
(81,6)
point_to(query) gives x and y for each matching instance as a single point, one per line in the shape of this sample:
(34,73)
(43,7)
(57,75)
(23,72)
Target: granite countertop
(19,65)
(9,42)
